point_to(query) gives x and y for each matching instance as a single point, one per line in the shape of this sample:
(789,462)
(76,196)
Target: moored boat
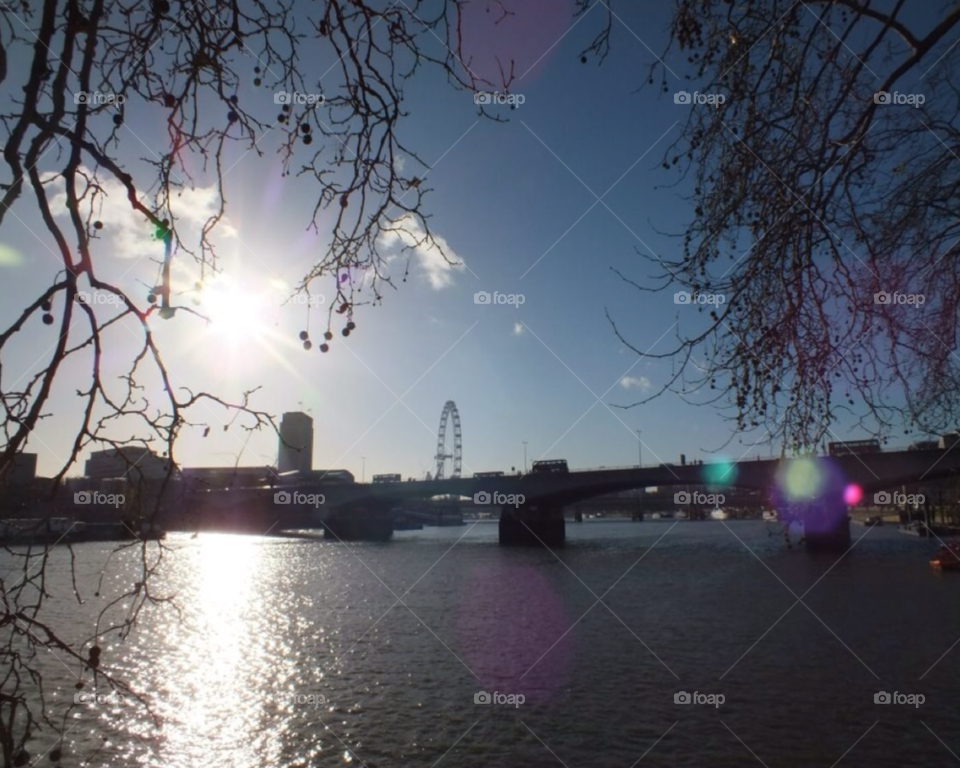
(913,529)
(947,557)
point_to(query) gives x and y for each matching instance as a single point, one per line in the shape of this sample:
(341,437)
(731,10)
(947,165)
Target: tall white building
(296,443)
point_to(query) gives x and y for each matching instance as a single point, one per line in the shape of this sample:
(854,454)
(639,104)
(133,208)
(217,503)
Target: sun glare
(243,330)
(235,315)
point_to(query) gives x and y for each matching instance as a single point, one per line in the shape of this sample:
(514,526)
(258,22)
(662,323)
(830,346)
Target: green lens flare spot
(802,479)
(722,473)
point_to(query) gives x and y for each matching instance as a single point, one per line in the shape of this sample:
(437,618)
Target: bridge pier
(369,523)
(532,524)
(826,524)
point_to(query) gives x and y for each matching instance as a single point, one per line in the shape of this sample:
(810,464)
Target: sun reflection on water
(216,689)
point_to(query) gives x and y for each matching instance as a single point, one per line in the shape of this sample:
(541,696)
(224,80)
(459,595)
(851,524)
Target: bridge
(815,490)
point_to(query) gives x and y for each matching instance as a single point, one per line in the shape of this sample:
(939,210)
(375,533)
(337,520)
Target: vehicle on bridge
(393,478)
(488,474)
(335,476)
(293,477)
(948,440)
(851,447)
(550,466)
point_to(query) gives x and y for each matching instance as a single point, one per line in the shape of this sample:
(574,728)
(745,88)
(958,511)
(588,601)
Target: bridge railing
(696,462)
(611,467)
(671,464)
(742,460)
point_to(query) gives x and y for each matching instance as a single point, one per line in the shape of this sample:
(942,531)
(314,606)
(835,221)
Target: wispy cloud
(635,382)
(408,234)
(128,233)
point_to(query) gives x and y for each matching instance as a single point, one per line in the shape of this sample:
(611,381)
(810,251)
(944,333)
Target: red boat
(947,557)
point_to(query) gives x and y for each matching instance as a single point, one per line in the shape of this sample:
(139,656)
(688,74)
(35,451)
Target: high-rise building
(22,470)
(296,443)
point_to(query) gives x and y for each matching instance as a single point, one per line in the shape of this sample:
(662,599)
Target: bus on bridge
(550,466)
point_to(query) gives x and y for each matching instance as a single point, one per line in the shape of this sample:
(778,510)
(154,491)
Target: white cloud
(635,382)
(517,329)
(408,233)
(129,234)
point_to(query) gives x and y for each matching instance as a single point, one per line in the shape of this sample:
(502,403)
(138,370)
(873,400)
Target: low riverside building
(133,462)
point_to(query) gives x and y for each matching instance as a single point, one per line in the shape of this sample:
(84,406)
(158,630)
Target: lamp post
(363,475)
(524,457)
(639,449)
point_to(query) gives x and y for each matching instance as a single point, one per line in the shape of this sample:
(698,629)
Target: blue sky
(508,200)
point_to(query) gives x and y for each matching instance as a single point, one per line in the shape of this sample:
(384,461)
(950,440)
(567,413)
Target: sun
(236,316)
(242,331)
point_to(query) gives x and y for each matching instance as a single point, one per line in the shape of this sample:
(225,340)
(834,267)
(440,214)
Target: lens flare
(802,480)
(10,257)
(852,494)
(722,472)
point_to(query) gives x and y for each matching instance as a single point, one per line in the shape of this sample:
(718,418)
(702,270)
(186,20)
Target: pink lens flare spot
(514,631)
(852,494)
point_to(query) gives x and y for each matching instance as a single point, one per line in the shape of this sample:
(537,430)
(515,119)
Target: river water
(311,653)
